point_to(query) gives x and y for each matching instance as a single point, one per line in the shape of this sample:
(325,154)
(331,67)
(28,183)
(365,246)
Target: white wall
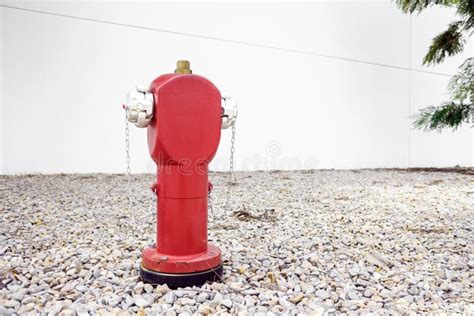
(64,80)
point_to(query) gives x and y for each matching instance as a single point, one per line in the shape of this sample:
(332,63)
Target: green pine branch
(447,43)
(411,6)
(449,115)
(454,113)
(460,108)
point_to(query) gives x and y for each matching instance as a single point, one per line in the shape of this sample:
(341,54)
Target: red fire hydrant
(184,114)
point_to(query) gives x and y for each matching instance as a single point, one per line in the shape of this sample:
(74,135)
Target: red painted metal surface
(183,138)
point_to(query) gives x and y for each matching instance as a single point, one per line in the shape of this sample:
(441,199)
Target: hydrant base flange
(181,280)
(181,270)
(168,263)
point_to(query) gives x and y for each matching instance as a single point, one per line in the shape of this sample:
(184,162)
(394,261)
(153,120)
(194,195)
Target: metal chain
(231,175)
(154,215)
(231,179)
(232,150)
(127,160)
(209,199)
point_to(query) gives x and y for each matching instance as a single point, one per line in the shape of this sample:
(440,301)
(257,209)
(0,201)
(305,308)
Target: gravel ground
(293,242)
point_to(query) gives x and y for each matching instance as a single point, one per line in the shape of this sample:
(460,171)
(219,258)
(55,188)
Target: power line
(289,50)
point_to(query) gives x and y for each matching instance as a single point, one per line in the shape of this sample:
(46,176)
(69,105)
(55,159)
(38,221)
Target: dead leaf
(271,277)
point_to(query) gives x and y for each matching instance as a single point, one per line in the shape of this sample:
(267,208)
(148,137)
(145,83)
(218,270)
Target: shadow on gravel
(462,170)
(245,216)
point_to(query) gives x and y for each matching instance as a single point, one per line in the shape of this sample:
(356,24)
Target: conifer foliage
(459,109)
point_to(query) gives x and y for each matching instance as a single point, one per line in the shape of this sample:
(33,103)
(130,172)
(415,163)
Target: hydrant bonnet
(187,122)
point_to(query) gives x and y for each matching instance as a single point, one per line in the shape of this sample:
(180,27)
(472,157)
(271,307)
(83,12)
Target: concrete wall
(64,80)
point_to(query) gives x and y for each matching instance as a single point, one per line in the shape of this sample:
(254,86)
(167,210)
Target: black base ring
(181,280)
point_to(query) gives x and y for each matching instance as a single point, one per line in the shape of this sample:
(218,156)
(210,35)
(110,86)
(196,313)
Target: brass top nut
(183,67)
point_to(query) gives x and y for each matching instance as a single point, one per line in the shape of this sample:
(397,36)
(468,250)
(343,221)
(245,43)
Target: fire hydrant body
(184,115)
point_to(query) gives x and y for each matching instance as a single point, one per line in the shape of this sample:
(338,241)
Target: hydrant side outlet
(183,137)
